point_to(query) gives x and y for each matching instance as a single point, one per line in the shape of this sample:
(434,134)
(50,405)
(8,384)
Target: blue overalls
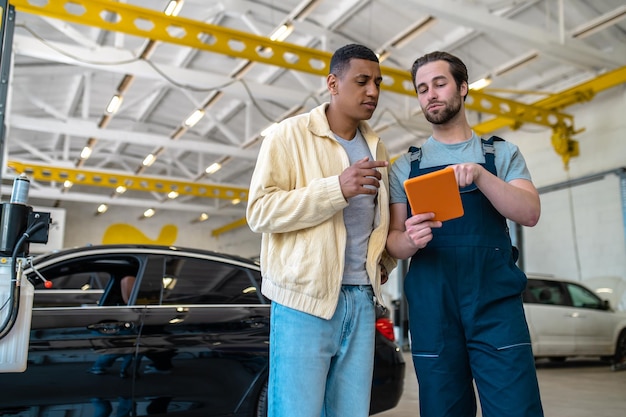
(466,314)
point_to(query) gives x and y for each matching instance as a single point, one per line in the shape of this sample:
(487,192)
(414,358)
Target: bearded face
(444,112)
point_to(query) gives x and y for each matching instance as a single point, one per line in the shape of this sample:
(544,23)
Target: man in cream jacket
(319,194)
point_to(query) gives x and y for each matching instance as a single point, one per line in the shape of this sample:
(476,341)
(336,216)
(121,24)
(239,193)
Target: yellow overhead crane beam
(561,140)
(153,24)
(82,176)
(577,94)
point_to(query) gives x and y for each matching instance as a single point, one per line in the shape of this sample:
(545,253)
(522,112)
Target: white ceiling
(64,74)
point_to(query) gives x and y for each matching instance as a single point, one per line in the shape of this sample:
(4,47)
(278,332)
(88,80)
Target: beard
(443,116)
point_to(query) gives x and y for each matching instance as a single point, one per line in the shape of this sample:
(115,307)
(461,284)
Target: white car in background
(567,319)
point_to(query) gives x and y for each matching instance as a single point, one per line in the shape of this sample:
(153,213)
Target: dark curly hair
(340,60)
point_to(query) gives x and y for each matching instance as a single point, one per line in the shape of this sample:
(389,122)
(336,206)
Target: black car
(121,330)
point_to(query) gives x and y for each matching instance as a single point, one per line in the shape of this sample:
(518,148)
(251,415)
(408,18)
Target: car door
(204,337)
(71,337)
(552,329)
(595,324)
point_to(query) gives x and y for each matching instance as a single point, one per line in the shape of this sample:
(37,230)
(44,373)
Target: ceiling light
(235,201)
(172,195)
(412,32)
(201,218)
(173,7)
(67,184)
(120,189)
(85,153)
(194,118)
(102,208)
(149,213)
(281,33)
(383,55)
(602,22)
(149,160)
(305,10)
(480,84)
(114,104)
(213,168)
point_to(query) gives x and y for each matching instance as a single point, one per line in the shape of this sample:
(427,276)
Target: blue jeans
(323,368)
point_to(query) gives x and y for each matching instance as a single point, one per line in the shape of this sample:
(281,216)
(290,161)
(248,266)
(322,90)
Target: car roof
(89,250)
(548,277)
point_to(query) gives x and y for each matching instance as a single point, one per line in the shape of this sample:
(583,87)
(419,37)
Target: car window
(581,297)
(187,280)
(544,292)
(85,280)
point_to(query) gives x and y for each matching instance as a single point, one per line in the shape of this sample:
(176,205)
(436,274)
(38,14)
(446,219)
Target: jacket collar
(318,124)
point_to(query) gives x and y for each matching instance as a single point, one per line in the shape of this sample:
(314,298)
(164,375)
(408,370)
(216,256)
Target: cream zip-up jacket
(295,200)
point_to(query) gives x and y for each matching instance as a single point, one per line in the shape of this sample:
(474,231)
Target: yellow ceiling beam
(561,139)
(155,25)
(82,176)
(581,93)
(230,226)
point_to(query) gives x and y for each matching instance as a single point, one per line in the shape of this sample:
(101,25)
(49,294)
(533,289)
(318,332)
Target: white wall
(82,228)
(581,231)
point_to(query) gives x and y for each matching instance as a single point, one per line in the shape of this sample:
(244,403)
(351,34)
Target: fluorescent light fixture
(149,160)
(281,33)
(305,10)
(383,55)
(604,291)
(213,168)
(480,84)
(413,31)
(114,104)
(85,153)
(268,129)
(600,23)
(194,118)
(173,7)
(120,189)
(102,208)
(201,218)
(67,184)
(235,201)
(149,213)
(172,195)
(516,63)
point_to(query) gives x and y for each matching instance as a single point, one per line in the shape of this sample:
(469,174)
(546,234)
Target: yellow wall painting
(126,233)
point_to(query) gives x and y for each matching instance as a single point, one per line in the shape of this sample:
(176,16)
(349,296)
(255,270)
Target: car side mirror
(606,305)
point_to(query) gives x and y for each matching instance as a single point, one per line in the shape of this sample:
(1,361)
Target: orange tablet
(435,192)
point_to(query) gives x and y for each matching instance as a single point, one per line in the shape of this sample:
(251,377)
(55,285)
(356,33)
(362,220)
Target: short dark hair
(457,67)
(340,60)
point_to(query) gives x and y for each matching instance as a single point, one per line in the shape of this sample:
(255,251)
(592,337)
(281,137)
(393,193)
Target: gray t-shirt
(510,163)
(358,218)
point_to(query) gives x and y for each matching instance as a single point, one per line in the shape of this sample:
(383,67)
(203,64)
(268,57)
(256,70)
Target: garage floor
(575,388)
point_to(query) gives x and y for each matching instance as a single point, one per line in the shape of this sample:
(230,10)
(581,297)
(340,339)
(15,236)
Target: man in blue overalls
(463,288)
